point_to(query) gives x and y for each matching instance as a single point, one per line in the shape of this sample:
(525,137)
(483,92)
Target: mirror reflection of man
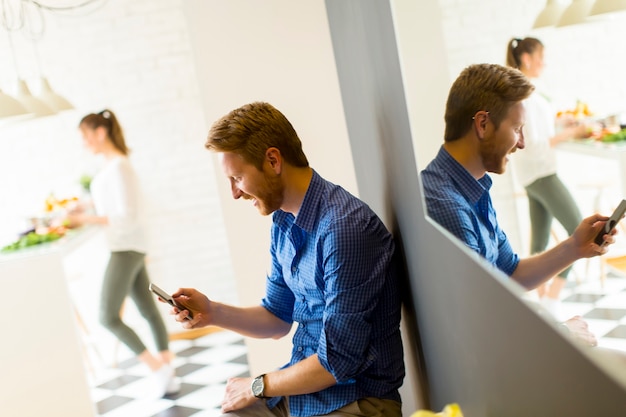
(484,119)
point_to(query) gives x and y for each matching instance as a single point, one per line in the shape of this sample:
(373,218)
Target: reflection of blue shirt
(331,272)
(461,204)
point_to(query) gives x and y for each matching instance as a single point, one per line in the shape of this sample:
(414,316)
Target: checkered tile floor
(603,308)
(204,365)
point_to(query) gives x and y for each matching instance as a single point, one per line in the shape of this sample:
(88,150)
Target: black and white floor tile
(203,365)
(602,306)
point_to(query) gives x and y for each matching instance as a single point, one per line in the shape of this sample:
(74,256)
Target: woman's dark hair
(106,119)
(517,47)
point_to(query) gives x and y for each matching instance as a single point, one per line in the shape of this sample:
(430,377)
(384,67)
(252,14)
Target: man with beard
(484,119)
(331,272)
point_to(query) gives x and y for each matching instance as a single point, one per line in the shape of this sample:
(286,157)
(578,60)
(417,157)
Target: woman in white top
(117,202)
(535,166)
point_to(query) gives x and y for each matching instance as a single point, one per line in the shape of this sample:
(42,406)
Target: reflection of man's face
(497,144)
(264,187)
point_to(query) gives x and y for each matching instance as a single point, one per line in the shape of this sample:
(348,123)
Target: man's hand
(579,330)
(585,234)
(197,303)
(238,395)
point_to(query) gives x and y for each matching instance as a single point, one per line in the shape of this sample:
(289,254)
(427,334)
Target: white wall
(277,51)
(135,58)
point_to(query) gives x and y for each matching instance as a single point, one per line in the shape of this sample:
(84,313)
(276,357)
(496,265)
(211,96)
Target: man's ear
(274,159)
(480,123)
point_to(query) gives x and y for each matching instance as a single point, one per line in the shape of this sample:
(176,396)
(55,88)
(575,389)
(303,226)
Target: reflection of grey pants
(366,407)
(126,275)
(548,198)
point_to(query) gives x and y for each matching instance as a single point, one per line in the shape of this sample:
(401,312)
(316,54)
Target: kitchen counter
(615,151)
(42,357)
(70,241)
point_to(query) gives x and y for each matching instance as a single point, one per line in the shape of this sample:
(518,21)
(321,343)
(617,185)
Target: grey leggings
(548,198)
(126,275)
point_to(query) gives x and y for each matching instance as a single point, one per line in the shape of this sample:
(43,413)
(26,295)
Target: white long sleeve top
(116,194)
(538,158)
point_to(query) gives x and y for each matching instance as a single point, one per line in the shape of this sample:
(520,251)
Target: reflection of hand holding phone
(169,299)
(612,222)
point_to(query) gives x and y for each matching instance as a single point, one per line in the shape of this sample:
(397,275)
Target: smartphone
(168,298)
(612,222)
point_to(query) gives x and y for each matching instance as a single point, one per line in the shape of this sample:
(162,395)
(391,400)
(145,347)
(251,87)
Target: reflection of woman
(535,167)
(116,200)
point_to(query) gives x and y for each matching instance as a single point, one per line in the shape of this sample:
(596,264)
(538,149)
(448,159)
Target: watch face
(257,386)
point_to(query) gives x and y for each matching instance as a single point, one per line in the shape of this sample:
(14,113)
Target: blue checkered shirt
(332,273)
(461,204)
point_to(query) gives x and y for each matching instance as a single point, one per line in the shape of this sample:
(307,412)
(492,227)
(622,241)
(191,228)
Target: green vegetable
(30,239)
(85,182)
(615,137)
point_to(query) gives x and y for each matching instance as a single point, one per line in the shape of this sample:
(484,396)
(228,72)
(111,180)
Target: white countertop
(72,239)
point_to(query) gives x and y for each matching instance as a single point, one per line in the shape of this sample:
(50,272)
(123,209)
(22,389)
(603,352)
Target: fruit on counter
(614,137)
(52,203)
(32,239)
(579,112)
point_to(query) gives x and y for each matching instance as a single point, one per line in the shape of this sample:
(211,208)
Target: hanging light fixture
(608,6)
(576,13)
(550,14)
(30,102)
(52,99)
(26,16)
(10,107)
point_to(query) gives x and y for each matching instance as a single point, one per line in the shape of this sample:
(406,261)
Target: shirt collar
(308,209)
(472,189)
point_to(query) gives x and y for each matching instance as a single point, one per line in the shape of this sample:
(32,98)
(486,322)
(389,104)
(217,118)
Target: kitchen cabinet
(41,355)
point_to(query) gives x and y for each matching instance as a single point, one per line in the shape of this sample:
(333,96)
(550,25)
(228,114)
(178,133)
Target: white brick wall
(134,58)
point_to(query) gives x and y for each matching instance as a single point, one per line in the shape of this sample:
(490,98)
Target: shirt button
(300,349)
(302,325)
(293,269)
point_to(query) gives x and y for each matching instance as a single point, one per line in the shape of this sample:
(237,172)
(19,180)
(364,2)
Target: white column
(277,51)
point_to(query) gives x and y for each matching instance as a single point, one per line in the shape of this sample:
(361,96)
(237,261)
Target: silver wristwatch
(258,386)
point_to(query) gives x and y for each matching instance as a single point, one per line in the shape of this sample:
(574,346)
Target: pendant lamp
(30,102)
(51,98)
(576,13)
(550,14)
(10,107)
(608,6)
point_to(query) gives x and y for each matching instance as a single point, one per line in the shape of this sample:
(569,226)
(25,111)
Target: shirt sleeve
(355,261)
(279,299)
(461,222)
(457,219)
(507,258)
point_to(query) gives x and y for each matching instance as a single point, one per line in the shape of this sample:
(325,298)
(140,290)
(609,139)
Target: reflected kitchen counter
(42,360)
(615,151)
